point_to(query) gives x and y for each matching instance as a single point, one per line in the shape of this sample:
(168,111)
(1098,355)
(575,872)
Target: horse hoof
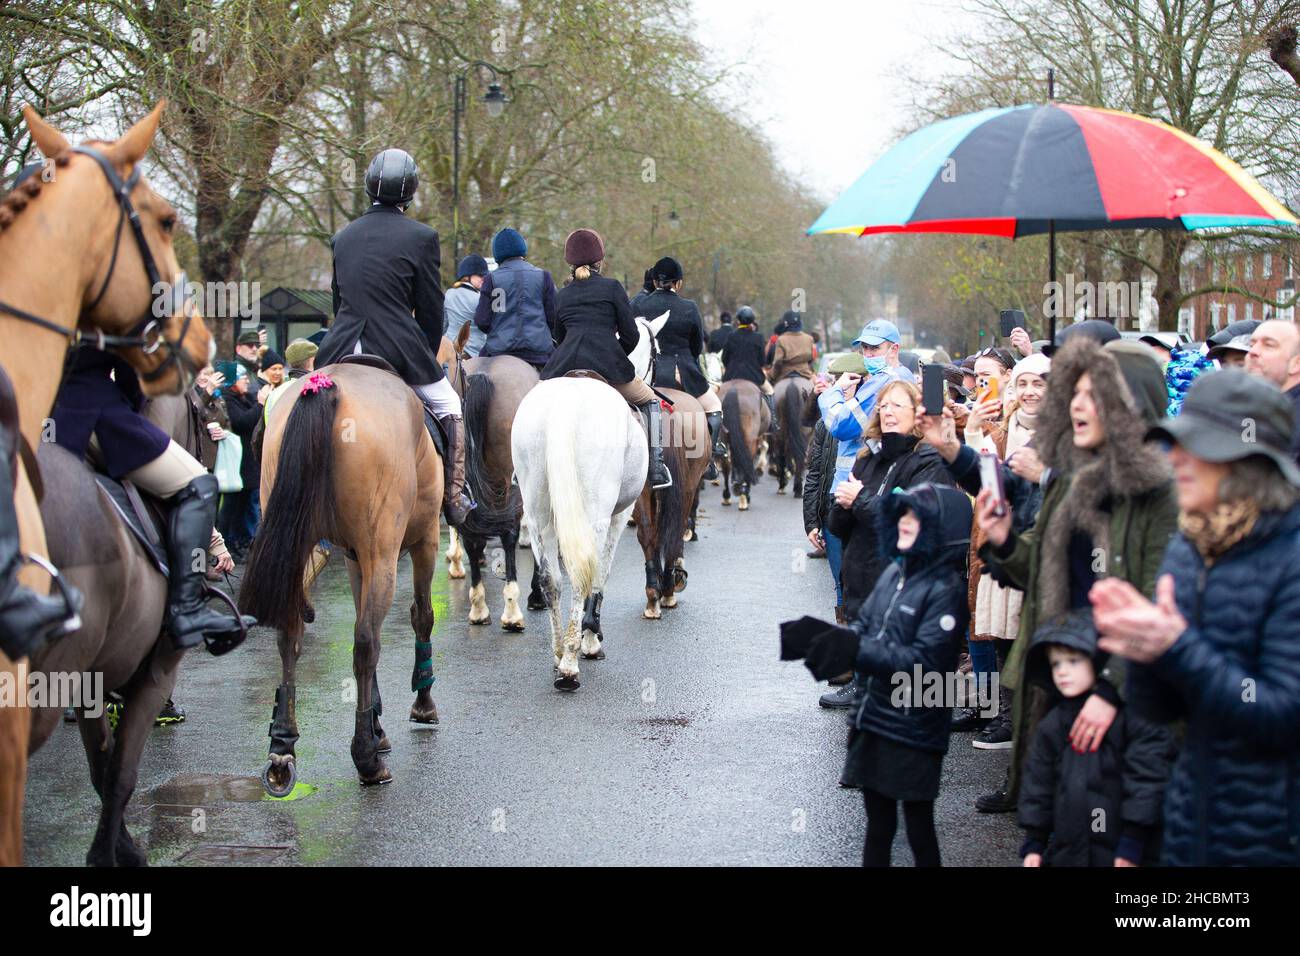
(308,614)
(384,746)
(537,604)
(726,502)
(566,683)
(278,779)
(456,574)
(512,627)
(485,619)
(598,656)
(420,716)
(651,615)
(379,779)
(780,491)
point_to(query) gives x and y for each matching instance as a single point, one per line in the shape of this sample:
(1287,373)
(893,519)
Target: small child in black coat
(1097,808)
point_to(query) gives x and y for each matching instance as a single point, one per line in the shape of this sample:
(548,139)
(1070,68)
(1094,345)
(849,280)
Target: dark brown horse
(663,516)
(744,420)
(789,445)
(58,234)
(122,640)
(493,389)
(352,463)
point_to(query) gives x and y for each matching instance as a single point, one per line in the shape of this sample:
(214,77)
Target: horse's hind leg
(281,771)
(512,619)
(726,481)
(424,558)
(455,555)
(479,613)
(593,636)
(537,599)
(378,581)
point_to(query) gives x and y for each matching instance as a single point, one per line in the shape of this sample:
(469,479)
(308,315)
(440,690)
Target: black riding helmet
(392,178)
(745,316)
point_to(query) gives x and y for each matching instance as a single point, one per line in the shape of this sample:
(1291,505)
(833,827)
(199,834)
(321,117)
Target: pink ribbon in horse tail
(316,382)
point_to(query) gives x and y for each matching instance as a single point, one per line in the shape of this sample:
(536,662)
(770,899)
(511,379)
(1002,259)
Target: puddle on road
(202,789)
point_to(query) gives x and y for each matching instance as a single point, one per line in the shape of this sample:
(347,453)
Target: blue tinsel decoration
(1184,367)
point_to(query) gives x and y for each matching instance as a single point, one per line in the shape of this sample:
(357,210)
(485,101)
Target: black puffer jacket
(900,463)
(914,622)
(1092,806)
(818,475)
(1234,676)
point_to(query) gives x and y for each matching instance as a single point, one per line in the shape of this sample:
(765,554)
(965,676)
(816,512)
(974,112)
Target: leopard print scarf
(1214,533)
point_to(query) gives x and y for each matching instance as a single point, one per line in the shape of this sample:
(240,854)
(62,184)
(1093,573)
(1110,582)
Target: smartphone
(1010,320)
(932,383)
(991,478)
(991,390)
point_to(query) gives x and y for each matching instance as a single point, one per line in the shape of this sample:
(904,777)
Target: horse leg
(593,636)
(546,551)
(726,481)
(646,537)
(781,477)
(478,609)
(281,772)
(424,558)
(378,581)
(536,599)
(144,697)
(512,619)
(455,555)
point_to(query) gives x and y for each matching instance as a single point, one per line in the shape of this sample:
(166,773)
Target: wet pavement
(690,744)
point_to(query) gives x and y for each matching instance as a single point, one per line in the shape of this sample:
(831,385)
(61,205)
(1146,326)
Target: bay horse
(493,389)
(581,459)
(122,640)
(664,516)
(79,270)
(745,419)
(346,458)
(790,443)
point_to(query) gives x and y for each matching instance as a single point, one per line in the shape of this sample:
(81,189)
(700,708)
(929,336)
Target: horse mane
(25,192)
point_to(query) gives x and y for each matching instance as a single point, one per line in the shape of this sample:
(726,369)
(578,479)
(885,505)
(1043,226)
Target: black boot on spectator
(968,719)
(997,735)
(999,801)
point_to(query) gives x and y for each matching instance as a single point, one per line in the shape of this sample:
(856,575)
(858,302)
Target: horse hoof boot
(512,627)
(598,656)
(566,683)
(422,716)
(278,779)
(537,604)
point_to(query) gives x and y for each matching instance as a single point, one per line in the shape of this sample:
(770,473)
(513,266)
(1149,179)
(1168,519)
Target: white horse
(581,461)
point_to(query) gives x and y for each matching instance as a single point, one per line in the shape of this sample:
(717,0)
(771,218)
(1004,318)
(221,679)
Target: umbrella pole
(1051,276)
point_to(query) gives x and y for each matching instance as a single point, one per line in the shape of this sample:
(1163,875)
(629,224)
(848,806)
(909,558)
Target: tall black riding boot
(456,500)
(189,619)
(27,620)
(775,425)
(715,432)
(659,475)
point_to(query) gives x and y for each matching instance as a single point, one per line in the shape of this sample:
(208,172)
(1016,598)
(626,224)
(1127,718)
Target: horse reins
(146,335)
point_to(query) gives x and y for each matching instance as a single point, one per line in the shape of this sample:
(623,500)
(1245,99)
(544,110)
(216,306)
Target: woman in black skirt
(910,631)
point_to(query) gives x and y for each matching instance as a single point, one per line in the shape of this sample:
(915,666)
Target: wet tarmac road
(690,744)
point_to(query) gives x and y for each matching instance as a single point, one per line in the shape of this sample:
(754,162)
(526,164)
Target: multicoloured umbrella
(1022,170)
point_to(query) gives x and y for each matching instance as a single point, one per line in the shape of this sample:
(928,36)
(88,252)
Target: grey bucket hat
(1229,415)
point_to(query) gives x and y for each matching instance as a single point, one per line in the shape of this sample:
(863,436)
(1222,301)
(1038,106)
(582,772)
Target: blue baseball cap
(875,332)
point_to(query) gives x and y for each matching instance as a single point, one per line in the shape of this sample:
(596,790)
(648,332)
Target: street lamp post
(495,100)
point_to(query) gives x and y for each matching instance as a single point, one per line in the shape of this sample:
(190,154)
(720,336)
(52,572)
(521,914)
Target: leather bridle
(147,334)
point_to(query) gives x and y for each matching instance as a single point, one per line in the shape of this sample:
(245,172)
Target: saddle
(143,515)
(432,424)
(597,377)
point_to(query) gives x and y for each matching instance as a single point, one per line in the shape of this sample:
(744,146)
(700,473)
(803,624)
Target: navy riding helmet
(392,178)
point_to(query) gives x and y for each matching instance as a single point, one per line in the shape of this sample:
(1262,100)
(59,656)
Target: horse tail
(492,516)
(572,527)
(791,427)
(670,513)
(733,422)
(299,513)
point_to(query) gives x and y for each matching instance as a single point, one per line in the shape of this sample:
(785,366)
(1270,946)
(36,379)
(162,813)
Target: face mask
(875,365)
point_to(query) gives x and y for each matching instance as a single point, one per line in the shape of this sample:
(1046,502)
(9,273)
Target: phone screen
(932,389)
(991,478)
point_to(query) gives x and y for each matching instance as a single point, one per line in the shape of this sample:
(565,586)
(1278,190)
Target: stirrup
(72,598)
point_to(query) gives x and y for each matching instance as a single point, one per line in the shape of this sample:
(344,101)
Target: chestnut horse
(73,266)
(346,458)
(745,419)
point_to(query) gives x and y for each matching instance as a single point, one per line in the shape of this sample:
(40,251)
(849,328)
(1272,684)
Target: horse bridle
(146,335)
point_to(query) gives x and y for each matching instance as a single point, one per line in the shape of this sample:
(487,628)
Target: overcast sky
(824,76)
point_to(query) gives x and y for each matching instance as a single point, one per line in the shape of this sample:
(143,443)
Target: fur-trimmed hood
(1125,463)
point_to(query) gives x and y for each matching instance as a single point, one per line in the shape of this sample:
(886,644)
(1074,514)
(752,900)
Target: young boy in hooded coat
(913,623)
(1090,808)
